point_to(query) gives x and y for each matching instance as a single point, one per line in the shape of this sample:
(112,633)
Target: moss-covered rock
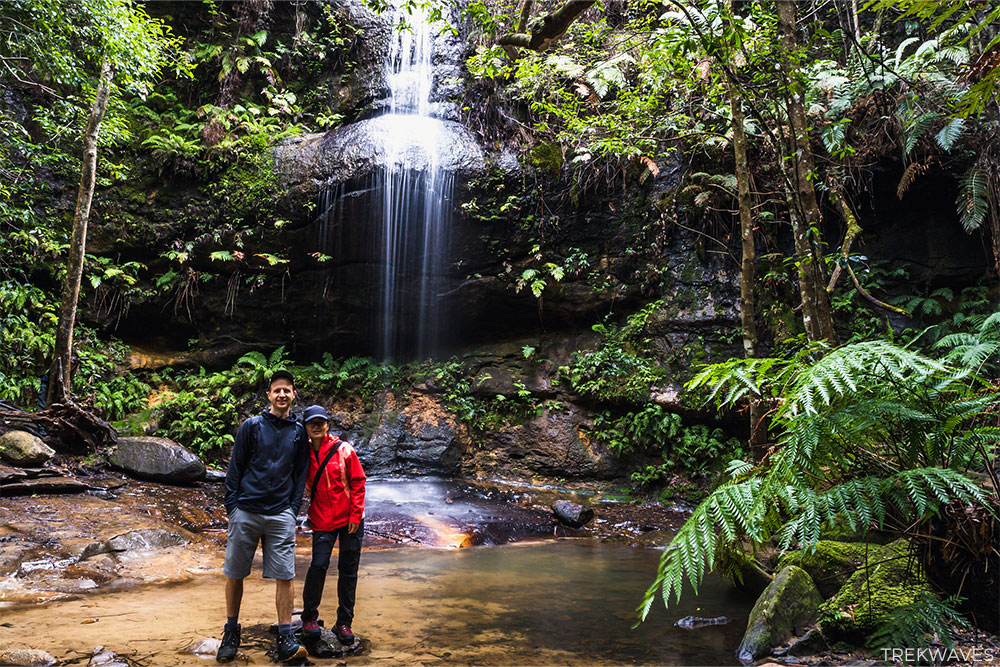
(886,581)
(784,609)
(830,564)
(24,449)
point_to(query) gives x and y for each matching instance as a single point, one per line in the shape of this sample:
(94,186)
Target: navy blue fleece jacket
(267,470)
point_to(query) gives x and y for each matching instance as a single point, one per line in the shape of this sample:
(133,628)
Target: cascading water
(407,204)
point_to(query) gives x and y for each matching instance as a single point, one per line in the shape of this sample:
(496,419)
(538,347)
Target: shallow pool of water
(539,603)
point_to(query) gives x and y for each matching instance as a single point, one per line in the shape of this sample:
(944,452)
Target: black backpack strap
(319,470)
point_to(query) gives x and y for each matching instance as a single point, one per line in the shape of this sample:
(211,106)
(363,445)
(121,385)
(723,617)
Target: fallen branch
(67,426)
(853,231)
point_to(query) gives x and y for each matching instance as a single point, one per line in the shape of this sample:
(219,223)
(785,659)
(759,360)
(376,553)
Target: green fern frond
(973,199)
(252,359)
(950,133)
(691,554)
(917,128)
(277,357)
(848,368)
(918,623)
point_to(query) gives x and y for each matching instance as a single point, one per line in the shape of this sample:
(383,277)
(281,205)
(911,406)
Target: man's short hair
(280,375)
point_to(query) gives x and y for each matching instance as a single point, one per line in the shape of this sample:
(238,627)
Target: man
(264,483)
(336,484)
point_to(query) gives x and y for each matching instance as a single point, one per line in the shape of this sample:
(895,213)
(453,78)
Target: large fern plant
(871,433)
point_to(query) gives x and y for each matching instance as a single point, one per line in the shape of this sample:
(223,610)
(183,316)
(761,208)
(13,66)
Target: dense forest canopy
(771,132)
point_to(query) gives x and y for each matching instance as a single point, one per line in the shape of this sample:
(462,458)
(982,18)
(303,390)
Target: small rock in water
(572,514)
(104,658)
(691,622)
(26,657)
(208,646)
(215,476)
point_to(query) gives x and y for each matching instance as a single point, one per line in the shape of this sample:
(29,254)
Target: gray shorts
(276,533)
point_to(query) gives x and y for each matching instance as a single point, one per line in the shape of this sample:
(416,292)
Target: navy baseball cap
(315,412)
(280,375)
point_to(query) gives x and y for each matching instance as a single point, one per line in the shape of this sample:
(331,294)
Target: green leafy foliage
(870,433)
(254,368)
(121,396)
(27,336)
(617,370)
(202,418)
(363,376)
(689,450)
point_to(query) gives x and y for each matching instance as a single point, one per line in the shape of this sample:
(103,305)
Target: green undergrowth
(693,451)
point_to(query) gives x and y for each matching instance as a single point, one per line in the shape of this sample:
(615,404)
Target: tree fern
(871,433)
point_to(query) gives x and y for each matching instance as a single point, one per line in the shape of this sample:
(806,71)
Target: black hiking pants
(347,572)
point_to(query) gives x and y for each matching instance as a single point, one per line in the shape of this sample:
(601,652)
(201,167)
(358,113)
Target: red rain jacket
(334,506)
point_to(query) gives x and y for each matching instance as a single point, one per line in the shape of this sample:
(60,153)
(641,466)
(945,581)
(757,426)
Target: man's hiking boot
(230,644)
(310,628)
(289,648)
(319,647)
(344,634)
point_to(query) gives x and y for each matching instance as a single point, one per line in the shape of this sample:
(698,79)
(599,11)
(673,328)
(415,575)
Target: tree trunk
(748,265)
(804,212)
(60,372)
(549,29)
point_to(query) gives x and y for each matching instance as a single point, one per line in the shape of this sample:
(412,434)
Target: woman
(336,486)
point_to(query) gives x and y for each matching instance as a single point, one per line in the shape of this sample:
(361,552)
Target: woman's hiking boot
(289,648)
(310,628)
(230,643)
(344,634)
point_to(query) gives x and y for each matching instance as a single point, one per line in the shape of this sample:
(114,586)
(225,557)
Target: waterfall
(406,205)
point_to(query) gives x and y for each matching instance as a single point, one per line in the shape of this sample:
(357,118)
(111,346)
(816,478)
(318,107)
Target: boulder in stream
(102,657)
(25,657)
(157,459)
(789,604)
(572,514)
(145,539)
(24,449)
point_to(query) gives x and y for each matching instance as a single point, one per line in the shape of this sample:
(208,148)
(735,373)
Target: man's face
(317,428)
(281,393)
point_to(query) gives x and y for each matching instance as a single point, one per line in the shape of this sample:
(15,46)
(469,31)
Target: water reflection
(562,602)
(542,603)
